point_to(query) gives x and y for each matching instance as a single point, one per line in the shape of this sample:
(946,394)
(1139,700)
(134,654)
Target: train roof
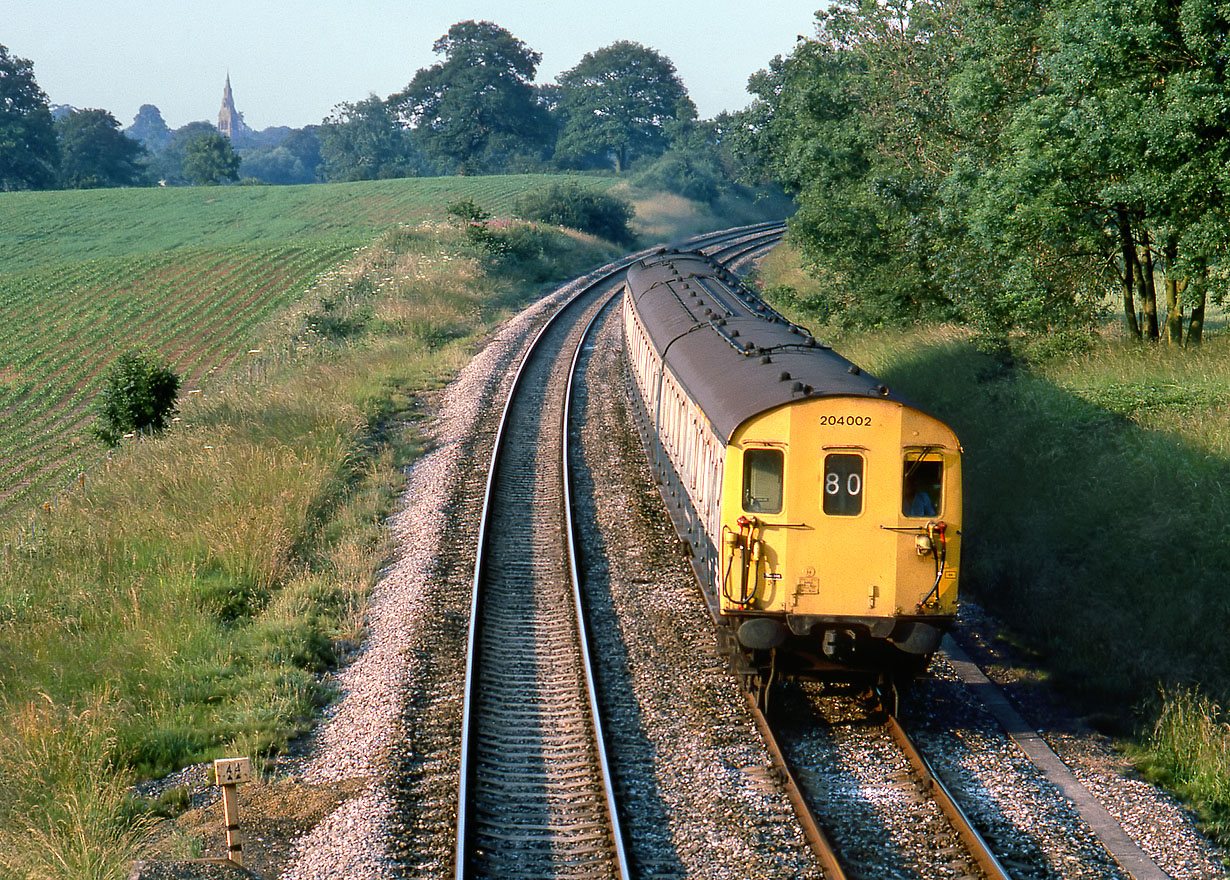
(734,355)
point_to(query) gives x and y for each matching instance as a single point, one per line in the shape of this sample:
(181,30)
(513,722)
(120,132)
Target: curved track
(535,797)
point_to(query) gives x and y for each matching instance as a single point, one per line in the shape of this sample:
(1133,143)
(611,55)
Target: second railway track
(534,798)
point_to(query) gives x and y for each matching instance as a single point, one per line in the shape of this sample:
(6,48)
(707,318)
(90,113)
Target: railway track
(693,782)
(535,796)
(935,848)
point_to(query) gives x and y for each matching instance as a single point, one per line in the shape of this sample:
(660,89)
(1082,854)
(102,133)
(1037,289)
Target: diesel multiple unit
(821,510)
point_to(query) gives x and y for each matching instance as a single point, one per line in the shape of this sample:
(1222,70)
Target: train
(820,510)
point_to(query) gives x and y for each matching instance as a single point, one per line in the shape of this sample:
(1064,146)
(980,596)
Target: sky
(290,63)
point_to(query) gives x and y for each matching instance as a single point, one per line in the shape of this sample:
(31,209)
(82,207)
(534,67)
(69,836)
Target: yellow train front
(822,511)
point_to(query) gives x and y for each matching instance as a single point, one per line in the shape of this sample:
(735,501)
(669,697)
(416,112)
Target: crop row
(42,228)
(61,327)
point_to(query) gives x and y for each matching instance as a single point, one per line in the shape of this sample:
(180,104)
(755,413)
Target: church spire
(230,120)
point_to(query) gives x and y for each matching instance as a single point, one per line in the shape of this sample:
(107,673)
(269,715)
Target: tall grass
(66,809)
(1188,750)
(184,602)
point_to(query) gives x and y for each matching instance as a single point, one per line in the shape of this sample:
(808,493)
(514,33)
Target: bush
(574,206)
(138,395)
(690,174)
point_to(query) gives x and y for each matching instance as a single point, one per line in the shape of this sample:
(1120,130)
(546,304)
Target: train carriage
(821,509)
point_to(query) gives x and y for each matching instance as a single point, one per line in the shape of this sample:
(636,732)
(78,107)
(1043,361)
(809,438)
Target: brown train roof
(733,354)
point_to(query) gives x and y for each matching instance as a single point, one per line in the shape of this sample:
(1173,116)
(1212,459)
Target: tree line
(477,111)
(1007,163)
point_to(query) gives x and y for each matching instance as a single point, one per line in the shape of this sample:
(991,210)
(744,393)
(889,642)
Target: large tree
(94,152)
(28,150)
(1115,169)
(209,158)
(618,104)
(477,108)
(150,128)
(365,141)
(855,123)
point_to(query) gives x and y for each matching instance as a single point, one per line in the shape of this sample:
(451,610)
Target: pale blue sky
(291,62)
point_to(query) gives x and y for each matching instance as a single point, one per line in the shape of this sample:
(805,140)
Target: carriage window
(843,484)
(762,480)
(921,489)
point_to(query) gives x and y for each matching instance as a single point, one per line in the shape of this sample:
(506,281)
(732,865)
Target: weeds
(1188,750)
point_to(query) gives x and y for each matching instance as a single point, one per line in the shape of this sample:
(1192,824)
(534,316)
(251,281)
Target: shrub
(690,174)
(574,206)
(138,395)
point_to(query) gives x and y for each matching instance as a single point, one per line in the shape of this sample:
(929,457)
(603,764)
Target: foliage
(138,395)
(28,151)
(477,108)
(94,153)
(364,141)
(1017,166)
(467,211)
(617,104)
(1188,750)
(847,131)
(150,128)
(569,204)
(209,158)
(167,166)
(296,158)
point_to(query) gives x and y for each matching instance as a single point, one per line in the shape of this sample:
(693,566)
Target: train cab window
(843,484)
(763,478)
(921,490)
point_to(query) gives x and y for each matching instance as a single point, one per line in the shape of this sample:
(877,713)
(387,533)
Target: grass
(183,603)
(190,272)
(1097,489)
(667,217)
(53,228)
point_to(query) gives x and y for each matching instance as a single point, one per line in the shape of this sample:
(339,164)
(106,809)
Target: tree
(304,145)
(94,152)
(855,124)
(617,105)
(149,128)
(138,394)
(577,207)
(29,154)
(209,158)
(365,141)
(477,108)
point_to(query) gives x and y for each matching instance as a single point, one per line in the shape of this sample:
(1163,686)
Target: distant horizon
(123,54)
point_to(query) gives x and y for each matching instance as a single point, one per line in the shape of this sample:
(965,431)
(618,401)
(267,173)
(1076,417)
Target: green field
(190,272)
(40,229)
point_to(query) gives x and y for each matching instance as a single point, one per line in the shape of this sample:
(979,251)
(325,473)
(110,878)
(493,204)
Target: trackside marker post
(229,773)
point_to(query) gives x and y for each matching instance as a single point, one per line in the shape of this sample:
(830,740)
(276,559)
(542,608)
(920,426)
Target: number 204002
(856,421)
